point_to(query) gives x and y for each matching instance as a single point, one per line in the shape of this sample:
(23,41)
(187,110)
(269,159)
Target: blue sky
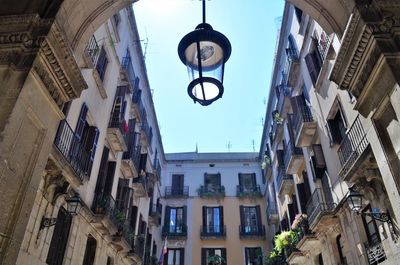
(236,119)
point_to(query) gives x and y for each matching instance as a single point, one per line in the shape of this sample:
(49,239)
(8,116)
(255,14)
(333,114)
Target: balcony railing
(128,67)
(376,253)
(304,114)
(138,246)
(147,131)
(174,192)
(211,191)
(290,152)
(282,176)
(117,122)
(179,230)
(92,50)
(133,154)
(136,96)
(212,231)
(323,45)
(245,191)
(75,154)
(317,206)
(272,213)
(352,147)
(105,205)
(252,231)
(282,91)
(156,210)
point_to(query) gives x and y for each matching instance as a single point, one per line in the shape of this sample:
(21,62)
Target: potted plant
(285,242)
(277,117)
(215,260)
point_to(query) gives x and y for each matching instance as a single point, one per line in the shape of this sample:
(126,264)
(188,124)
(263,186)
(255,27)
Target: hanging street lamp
(205,51)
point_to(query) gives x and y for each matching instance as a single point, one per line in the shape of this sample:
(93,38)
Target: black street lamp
(205,51)
(354,199)
(73,207)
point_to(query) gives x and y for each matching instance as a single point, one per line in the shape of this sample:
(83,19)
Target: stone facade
(322,137)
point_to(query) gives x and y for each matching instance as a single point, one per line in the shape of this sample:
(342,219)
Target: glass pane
(216,220)
(177,257)
(170,256)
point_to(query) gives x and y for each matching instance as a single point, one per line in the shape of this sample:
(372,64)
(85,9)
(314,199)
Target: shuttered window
(102,62)
(175,256)
(313,65)
(59,240)
(90,251)
(213,219)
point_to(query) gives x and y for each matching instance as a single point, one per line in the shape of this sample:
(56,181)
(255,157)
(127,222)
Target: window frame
(249,258)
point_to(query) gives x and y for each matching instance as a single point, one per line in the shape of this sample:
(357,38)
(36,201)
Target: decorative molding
(54,182)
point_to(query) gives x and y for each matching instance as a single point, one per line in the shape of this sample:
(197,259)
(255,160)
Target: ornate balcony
(284,181)
(306,240)
(74,154)
(272,214)
(293,158)
(155,214)
(304,126)
(128,74)
(353,147)
(375,253)
(248,192)
(213,232)
(91,52)
(146,133)
(116,130)
(140,185)
(174,192)
(320,211)
(252,232)
(131,161)
(108,216)
(178,231)
(211,191)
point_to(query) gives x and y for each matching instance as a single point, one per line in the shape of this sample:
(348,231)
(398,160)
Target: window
(371,229)
(247,182)
(320,260)
(124,193)
(250,219)
(253,256)
(175,256)
(117,19)
(60,238)
(213,252)
(90,251)
(101,64)
(212,182)
(314,65)
(337,124)
(213,220)
(175,220)
(299,14)
(110,261)
(339,245)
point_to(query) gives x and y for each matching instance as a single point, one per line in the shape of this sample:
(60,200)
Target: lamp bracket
(381,217)
(47,222)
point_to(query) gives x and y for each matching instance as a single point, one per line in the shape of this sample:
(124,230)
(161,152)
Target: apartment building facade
(213,206)
(106,157)
(321,150)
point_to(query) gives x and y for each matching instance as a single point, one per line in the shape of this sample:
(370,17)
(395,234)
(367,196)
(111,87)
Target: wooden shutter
(204,208)
(90,251)
(258,213)
(219,179)
(319,156)
(340,109)
(93,139)
(241,209)
(280,156)
(143,161)
(223,253)
(240,175)
(182,257)
(81,122)
(131,134)
(101,178)
(292,212)
(110,178)
(313,65)
(291,119)
(221,216)
(102,62)
(123,110)
(59,239)
(302,196)
(307,189)
(167,217)
(133,217)
(184,214)
(204,256)
(253,179)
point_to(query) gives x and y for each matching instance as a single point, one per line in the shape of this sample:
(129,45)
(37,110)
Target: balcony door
(253,256)
(213,219)
(174,257)
(212,182)
(177,184)
(247,182)
(175,219)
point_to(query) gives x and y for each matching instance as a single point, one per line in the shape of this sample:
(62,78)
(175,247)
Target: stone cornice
(56,66)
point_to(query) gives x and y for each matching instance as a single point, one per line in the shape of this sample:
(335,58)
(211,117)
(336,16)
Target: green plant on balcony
(248,194)
(285,242)
(211,193)
(277,117)
(215,260)
(266,162)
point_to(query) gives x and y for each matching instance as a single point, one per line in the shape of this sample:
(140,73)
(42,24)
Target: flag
(163,252)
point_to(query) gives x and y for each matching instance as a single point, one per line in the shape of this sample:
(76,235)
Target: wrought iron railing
(133,154)
(375,253)
(303,114)
(282,92)
(92,50)
(211,191)
(128,67)
(291,151)
(139,245)
(136,96)
(252,231)
(156,210)
(248,191)
(213,231)
(323,45)
(147,131)
(178,230)
(282,176)
(317,205)
(117,122)
(72,150)
(270,211)
(352,146)
(176,191)
(106,205)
